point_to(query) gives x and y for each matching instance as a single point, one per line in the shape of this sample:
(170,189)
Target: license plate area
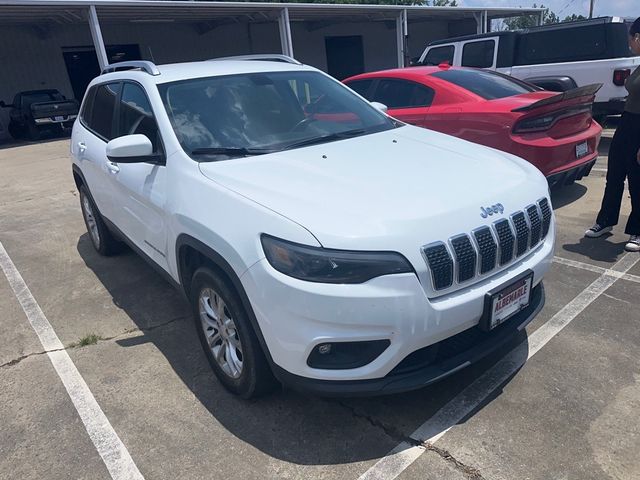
(582,149)
(504,302)
(58,118)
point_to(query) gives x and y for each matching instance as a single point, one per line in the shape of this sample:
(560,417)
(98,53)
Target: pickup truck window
(488,85)
(395,93)
(102,110)
(439,55)
(478,54)
(136,116)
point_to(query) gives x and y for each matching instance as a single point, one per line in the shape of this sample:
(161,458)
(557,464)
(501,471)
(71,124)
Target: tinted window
(569,44)
(396,93)
(361,86)
(87,106)
(478,54)
(485,84)
(439,55)
(136,116)
(103,109)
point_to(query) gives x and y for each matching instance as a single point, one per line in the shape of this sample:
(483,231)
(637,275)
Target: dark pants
(623,164)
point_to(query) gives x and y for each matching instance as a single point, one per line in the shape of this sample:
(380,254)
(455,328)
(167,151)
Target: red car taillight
(620,76)
(546,122)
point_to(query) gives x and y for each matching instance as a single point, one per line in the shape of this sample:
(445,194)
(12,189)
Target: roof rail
(265,57)
(143,65)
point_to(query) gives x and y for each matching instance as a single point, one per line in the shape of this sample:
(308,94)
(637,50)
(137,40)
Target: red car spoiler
(586,91)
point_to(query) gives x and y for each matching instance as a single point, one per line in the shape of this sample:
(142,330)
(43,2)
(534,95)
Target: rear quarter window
(488,85)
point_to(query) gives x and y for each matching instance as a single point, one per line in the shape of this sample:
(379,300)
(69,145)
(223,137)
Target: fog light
(344,355)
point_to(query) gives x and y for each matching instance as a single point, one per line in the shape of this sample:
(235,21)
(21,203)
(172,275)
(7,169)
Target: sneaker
(597,231)
(633,245)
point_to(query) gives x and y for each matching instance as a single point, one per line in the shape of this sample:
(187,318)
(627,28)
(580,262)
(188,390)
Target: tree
(442,3)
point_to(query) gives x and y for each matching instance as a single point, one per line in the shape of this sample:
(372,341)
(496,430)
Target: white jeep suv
(319,241)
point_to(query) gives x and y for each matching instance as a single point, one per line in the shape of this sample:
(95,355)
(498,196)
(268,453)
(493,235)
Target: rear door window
(478,54)
(396,93)
(486,84)
(136,117)
(438,55)
(361,87)
(102,110)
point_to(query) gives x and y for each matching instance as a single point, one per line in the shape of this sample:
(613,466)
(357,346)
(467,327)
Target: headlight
(316,264)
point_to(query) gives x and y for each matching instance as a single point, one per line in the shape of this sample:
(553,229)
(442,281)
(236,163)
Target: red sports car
(554,131)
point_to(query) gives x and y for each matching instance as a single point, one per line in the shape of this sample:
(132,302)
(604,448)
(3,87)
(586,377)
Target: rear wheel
(227,336)
(101,238)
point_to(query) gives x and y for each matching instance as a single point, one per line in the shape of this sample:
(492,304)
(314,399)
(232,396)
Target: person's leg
(616,175)
(633,225)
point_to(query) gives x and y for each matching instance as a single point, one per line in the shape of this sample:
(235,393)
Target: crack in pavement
(73,346)
(468,471)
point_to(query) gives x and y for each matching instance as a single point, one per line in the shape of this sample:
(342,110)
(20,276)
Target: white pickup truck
(555,57)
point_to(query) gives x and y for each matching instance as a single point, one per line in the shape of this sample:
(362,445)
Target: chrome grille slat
(506,240)
(535,224)
(488,249)
(465,257)
(472,256)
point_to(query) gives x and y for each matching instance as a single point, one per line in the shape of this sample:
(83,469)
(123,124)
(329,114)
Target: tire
(32,131)
(15,131)
(102,239)
(221,319)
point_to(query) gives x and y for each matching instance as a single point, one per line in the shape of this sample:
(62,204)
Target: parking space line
(463,404)
(596,269)
(114,454)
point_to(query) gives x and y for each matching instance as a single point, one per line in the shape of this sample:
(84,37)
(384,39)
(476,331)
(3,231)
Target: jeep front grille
(466,257)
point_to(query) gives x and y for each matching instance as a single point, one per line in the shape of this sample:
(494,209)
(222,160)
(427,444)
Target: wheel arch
(191,254)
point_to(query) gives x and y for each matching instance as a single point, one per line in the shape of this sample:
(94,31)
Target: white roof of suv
(208,68)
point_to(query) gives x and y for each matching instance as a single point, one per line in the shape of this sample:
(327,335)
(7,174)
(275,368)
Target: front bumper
(296,316)
(427,365)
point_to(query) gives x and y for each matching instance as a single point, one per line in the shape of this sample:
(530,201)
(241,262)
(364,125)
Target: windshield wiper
(326,138)
(231,151)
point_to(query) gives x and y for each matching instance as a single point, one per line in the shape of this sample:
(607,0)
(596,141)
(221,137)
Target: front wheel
(227,336)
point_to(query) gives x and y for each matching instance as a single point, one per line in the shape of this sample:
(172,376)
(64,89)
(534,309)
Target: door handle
(82,147)
(113,167)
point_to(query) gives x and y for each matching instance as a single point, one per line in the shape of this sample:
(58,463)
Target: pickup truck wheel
(101,238)
(32,131)
(227,337)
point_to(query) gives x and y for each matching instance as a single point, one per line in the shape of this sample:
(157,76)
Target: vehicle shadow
(565,195)
(286,425)
(46,137)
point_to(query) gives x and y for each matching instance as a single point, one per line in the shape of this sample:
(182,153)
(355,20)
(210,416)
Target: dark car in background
(35,111)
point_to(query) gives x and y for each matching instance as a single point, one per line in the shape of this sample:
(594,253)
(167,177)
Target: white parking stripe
(113,452)
(396,461)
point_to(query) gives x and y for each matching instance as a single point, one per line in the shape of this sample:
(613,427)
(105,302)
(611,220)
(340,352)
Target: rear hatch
(557,115)
(61,108)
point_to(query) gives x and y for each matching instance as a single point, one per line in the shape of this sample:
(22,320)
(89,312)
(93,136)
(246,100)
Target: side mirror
(380,106)
(4,105)
(131,149)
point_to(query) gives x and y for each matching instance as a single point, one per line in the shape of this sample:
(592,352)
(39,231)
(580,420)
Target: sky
(619,8)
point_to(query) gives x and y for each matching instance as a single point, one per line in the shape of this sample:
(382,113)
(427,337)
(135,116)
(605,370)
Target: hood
(370,191)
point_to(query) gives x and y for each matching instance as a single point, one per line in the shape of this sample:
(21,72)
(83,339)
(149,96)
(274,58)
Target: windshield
(488,85)
(249,114)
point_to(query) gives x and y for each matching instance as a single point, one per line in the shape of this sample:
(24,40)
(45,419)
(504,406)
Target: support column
(402,34)
(485,24)
(478,17)
(98,41)
(286,41)
(541,19)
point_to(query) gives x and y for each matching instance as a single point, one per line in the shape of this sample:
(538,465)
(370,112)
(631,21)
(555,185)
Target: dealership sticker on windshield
(582,149)
(507,302)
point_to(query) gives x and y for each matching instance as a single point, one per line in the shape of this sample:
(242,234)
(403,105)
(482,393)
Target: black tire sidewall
(249,384)
(108,245)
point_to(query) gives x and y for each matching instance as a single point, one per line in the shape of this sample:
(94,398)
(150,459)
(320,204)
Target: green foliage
(548,17)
